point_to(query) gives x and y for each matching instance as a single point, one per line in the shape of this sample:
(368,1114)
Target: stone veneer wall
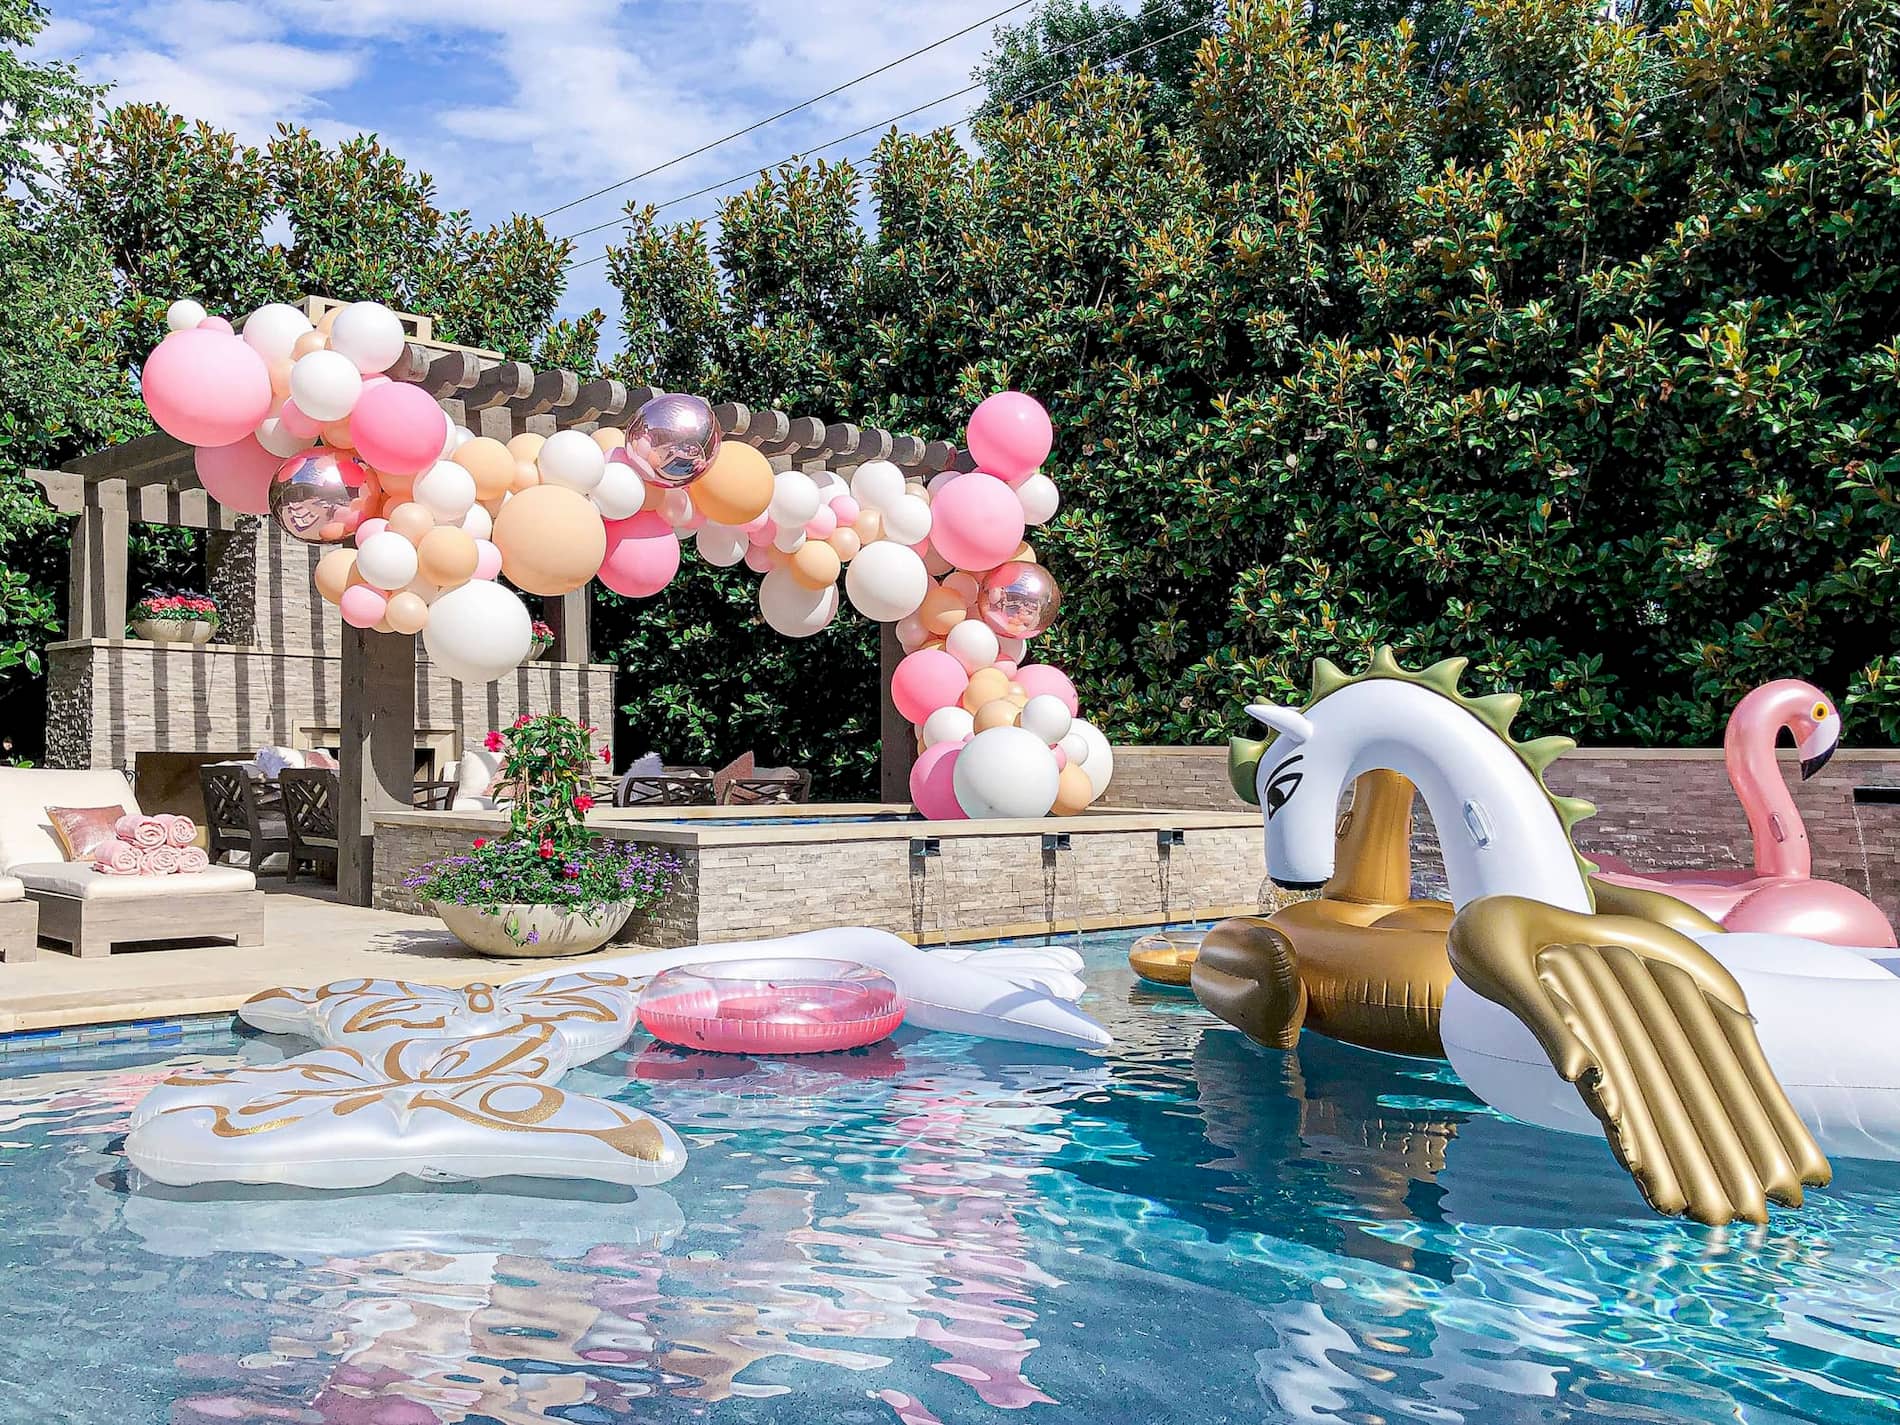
(979,885)
(1656,807)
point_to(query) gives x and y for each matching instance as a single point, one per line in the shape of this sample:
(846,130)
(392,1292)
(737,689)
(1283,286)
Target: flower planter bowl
(556,930)
(175,630)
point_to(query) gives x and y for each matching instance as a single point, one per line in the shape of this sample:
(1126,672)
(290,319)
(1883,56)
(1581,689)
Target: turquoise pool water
(944,1230)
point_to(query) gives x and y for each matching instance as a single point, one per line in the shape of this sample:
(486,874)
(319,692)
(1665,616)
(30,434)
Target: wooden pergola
(152,480)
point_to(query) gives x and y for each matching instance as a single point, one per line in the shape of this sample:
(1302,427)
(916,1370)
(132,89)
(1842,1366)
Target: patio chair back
(310,802)
(237,818)
(636,790)
(780,787)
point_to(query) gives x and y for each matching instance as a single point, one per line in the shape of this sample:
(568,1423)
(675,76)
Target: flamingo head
(1817,732)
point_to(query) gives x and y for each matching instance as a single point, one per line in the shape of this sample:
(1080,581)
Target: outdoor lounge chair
(769,786)
(667,790)
(19,922)
(92,912)
(237,817)
(310,800)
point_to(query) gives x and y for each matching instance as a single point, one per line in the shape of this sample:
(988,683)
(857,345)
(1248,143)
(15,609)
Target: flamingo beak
(1815,749)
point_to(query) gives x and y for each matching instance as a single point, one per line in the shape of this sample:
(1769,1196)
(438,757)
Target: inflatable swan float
(1720,1065)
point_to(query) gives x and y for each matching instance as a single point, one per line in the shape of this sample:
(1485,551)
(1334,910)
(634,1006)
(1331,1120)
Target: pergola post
(378,754)
(568,617)
(100,535)
(898,753)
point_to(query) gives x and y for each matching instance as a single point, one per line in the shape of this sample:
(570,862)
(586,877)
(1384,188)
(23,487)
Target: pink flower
(607,755)
(492,742)
(583,802)
(523,720)
(547,850)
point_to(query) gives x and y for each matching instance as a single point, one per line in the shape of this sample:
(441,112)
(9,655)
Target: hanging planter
(543,640)
(175,618)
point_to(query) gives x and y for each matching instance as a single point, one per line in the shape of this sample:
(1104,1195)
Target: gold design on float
(1657,1037)
(1165,957)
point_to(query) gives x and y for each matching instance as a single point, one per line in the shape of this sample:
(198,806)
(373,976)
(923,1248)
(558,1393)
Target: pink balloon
(215,324)
(397,427)
(1040,678)
(762,531)
(822,525)
(758,558)
(1010,435)
(976,521)
(487,559)
(206,387)
(1062,758)
(643,555)
(932,786)
(1007,667)
(362,606)
(368,530)
(846,509)
(925,681)
(237,475)
(297,423)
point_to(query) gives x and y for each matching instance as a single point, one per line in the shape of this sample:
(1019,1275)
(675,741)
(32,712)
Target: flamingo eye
(1820,712)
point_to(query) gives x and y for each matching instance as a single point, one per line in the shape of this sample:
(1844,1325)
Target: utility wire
(782,113)
(868,128)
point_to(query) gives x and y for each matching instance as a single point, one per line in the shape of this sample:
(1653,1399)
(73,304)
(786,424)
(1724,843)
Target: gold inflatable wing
(1657,1037)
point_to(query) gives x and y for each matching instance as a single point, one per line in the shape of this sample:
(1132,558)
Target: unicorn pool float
(1778,893)
(1720,1065)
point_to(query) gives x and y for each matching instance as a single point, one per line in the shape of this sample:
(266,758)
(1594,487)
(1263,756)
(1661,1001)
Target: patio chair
(92,912)
(772,786)
(310,799)
(641,790)
(19,922)
(239,818)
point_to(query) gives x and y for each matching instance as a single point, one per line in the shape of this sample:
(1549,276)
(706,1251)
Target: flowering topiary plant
(178,608)
(548,857)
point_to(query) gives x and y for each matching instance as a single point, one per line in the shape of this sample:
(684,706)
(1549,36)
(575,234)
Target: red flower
(547,850)
(523,720)
(607,755)
(573,873)
(583,802)
(492,742)
(480,842)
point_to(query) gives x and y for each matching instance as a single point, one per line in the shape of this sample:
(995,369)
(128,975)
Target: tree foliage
(1562,337)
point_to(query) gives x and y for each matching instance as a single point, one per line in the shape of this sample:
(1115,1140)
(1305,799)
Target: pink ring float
(783,1006)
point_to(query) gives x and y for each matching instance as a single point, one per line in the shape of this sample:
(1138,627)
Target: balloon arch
(297,421)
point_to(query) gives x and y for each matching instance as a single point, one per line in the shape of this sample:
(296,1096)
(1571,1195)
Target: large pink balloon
(932,788)
(206,387)
(397,427)
(643,555)
(925,681)
(237,475)
(1010,435)
(976,521)
(1040,678)
(362,606)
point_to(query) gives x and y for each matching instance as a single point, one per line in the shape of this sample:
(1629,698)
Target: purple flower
(534,937)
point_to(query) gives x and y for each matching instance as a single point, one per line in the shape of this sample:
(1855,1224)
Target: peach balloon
(526,447)
(1025,554)
(815,564)
(407,613)
(998,712)
(846,542)
(280,379)
(942,610)
(333,573)
(986,685)
(337,434)
(609,439)
(1074,791)
(737,487)
(447,556)
(489,462)
(869,526)
(326,321)
(308,342)
(551,539)
(410,520)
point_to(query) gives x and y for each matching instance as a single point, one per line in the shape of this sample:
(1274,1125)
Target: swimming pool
(944,1230)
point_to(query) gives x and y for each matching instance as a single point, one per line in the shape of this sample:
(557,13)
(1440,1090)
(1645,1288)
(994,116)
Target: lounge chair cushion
(474,781)
(77,878)
(12,888)
(26,832)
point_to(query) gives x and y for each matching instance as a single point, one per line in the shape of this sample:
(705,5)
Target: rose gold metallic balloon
(672,439)
(320,496)
(1018,599)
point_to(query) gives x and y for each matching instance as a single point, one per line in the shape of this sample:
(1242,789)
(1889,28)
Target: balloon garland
(423,520)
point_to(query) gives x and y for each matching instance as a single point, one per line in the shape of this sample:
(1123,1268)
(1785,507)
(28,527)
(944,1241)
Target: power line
(782,113)
(858,133)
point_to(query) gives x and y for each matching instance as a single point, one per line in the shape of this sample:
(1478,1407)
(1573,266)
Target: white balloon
(1075,745)
(1012,648)
(272,330)
(452,437)
(463,435)
(1099,762)
(478,523)
(972,643)
(478,632)
(830,485)
(1046,715)
(445,490)
(790,538)
(907,520)
(886,581)
(325,385)
(184,314)
(877,484)
(387,560)
(910,629)
(369,335)
(278,441)
(1006,772)
(794,500)
(948,724)
(792,609)
(572,459)
(676,508)
(620,493)
(1039,499)
(720,545)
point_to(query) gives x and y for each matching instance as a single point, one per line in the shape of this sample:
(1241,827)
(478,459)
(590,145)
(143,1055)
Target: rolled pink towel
(192,860)
(180,831)
(116,858)
(159,861)
(142,831)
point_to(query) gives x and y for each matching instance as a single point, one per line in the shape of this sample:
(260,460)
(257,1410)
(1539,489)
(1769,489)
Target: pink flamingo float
(1777,895)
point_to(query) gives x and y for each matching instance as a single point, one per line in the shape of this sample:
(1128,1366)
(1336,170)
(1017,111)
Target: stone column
(899,752)
(378,754)
(97,606)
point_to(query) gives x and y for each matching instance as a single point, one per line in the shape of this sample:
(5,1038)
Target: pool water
(941,1229)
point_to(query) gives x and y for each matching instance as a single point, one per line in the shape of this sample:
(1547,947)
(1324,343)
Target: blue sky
(520,105)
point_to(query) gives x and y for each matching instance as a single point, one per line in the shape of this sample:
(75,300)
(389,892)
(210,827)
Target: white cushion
(474,775)
(273,760)
(12,888)
(650,765)
(77,878)
(26,835)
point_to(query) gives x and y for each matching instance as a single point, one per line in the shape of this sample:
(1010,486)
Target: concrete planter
(555,930)
(175,630)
